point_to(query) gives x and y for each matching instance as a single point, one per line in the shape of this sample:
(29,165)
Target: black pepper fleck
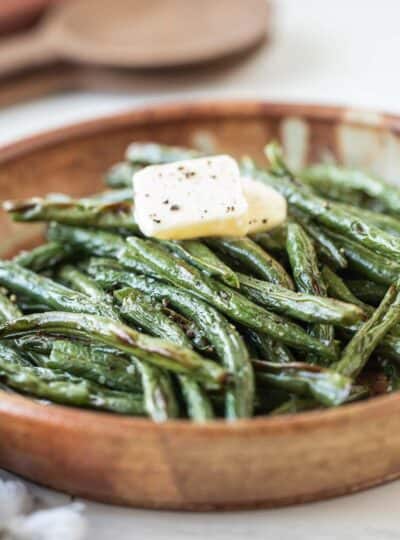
(174,207)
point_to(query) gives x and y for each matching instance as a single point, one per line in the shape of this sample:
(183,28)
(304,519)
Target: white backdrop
(342,52)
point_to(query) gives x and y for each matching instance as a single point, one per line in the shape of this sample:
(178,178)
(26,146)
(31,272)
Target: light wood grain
(261,462)
(139,34)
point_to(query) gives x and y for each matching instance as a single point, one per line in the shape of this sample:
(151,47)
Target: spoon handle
(27,51)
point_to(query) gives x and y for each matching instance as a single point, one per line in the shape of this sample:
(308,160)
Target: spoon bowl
(139,34)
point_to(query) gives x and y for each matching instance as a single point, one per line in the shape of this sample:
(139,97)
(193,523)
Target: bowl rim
(74,418)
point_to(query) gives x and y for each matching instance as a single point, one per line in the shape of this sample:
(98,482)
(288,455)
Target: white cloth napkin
(20,519)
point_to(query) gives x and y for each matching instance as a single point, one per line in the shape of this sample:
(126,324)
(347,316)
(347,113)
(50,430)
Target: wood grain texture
(262,462)
(138,34)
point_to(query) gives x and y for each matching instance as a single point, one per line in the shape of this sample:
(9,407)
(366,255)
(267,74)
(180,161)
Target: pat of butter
(266,207)
(191,199)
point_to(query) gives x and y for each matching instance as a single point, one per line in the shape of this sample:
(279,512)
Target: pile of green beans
(276,323)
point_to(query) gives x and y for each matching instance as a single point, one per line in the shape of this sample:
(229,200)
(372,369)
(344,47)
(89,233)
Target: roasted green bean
(223,336)
(147,257)
(121,337)
(254,258)
(371,333)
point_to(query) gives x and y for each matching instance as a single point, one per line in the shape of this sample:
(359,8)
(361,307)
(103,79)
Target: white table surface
(342,51)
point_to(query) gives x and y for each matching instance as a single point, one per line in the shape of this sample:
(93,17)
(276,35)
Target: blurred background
(63,66)
(63,61)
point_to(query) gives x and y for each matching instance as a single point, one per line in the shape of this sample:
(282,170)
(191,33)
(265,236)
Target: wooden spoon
(139,33)
(17,14)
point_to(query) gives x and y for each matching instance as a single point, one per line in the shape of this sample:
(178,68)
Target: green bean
(192,330)
(27,305)
(64,388)
(117,215)
(44,290)
(44,344)
(269,349)
(154,153)
(137,308)
(329,214)
(358,392)
(371,333)
(274,240)
(159,397)
(113,196)
(304,263)
(120,175)
(337,288)
(352,180)
(198,404)
(200,256)
(121,337)
(8,312)
(248,314)
(83,283)
(266,401)
(388,223)
(220,296)
(113,370)
(368,263)
(324,245)
(75,348)
(103,367)
(305,307)
(99,243)
(391,372)
(63,391)
(390,348)
(326,386)
(8,309)
(299,404)
(294,405)
(43,257)
(35,343)
(253,258)
(103,197)
(367,291)
(147,257)
(196,336)
(225,339)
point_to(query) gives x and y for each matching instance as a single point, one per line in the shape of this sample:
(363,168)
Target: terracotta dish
(261,462)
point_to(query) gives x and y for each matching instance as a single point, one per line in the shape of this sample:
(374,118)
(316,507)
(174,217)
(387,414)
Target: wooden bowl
(262,462)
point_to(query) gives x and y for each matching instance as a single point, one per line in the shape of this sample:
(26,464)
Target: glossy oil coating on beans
(294,319)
